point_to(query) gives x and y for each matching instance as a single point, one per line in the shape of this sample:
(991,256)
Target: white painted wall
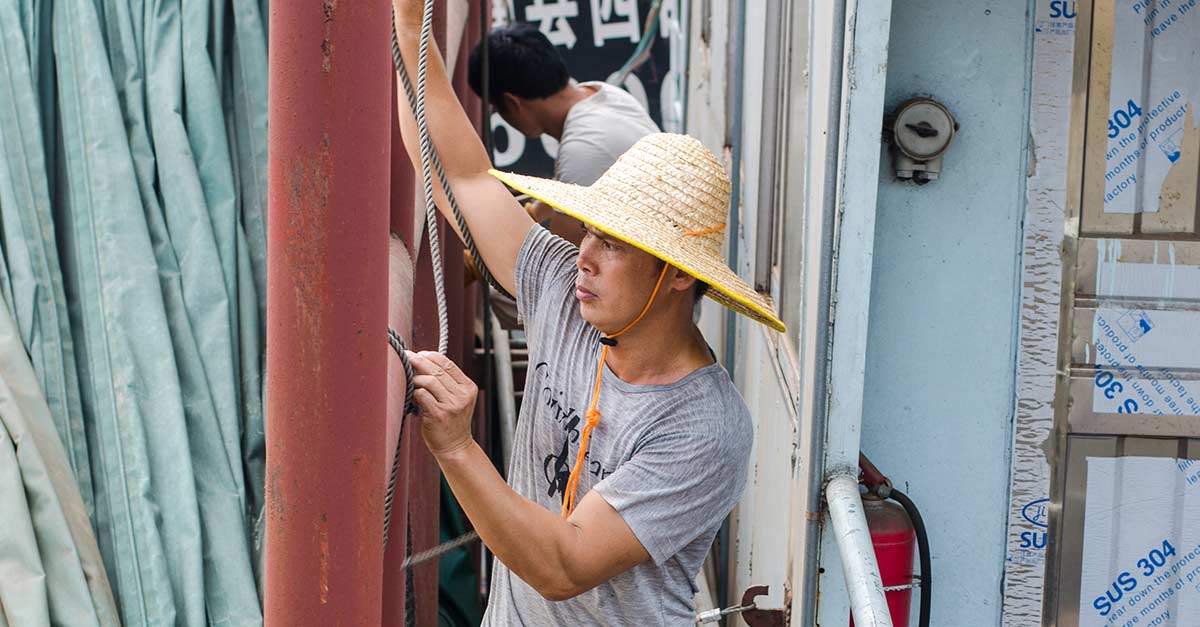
(944,308)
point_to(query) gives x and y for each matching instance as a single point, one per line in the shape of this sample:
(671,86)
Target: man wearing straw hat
(633,444)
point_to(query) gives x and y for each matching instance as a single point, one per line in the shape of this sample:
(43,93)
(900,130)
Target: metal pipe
(864,69)
(326,312)
(868,603)
(485,290)
(402,194)
(770,142)
(505,390)
(735,64)
(826,37)
(864,75)
(400,308)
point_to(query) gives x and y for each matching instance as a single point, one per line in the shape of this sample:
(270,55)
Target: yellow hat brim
(579,202)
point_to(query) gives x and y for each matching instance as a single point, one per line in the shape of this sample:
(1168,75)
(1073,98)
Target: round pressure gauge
(923,129)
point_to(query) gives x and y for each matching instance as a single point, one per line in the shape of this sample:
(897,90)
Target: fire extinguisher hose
(923,553)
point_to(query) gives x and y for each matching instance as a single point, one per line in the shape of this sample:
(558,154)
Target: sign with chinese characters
(596,38)
(1153,93)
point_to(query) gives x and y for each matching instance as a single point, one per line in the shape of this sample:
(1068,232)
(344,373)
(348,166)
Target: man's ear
(510,103)
(682,281)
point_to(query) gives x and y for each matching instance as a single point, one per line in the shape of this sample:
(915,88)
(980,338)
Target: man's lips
(583,294)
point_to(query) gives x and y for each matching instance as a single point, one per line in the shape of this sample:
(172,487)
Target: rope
(435,246)
(397,343)
(410,586)
(410,407)
(416,559)
(715,229)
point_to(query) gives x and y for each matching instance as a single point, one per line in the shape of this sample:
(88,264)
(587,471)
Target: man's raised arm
(496,220)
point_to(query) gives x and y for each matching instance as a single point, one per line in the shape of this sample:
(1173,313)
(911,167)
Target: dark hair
(521,61)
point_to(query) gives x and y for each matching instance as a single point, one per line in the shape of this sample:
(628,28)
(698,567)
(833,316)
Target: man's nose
(584,262)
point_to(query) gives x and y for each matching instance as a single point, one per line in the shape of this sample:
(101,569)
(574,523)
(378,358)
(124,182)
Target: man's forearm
(530,540)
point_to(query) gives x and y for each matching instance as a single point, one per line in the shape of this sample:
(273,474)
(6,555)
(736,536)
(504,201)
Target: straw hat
(669,196)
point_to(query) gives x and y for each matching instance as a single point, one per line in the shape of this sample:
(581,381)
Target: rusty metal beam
(400,300)
(403,210)
(326,311)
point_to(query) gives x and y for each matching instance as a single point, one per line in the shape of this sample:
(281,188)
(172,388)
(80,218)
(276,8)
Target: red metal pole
(400,295)
(403,188)
(401,306)
(327,311)
(403,210)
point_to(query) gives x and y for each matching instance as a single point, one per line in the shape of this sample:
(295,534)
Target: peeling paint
(309,187)
(276,503)
(328,7)
(323,540)
(1031,170)
(1042,263)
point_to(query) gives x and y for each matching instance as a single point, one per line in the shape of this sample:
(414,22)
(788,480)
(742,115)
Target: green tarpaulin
(132,226)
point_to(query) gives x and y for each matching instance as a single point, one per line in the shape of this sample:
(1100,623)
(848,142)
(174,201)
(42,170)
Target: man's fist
(446,397)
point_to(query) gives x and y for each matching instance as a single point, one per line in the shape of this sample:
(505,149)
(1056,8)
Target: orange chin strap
(593,413)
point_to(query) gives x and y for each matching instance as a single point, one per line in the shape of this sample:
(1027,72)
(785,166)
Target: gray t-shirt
(598,129)
(672,459)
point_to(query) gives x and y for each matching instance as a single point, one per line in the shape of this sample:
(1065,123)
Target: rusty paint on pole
(326,311)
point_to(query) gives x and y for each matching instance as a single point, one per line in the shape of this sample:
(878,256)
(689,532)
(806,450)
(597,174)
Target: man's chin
(588,313)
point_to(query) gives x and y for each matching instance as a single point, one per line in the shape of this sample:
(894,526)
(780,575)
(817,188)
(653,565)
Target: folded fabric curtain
(33,283)
(133,232)
(50,566)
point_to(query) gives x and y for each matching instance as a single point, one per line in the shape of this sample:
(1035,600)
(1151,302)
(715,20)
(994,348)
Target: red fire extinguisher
(897,531)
